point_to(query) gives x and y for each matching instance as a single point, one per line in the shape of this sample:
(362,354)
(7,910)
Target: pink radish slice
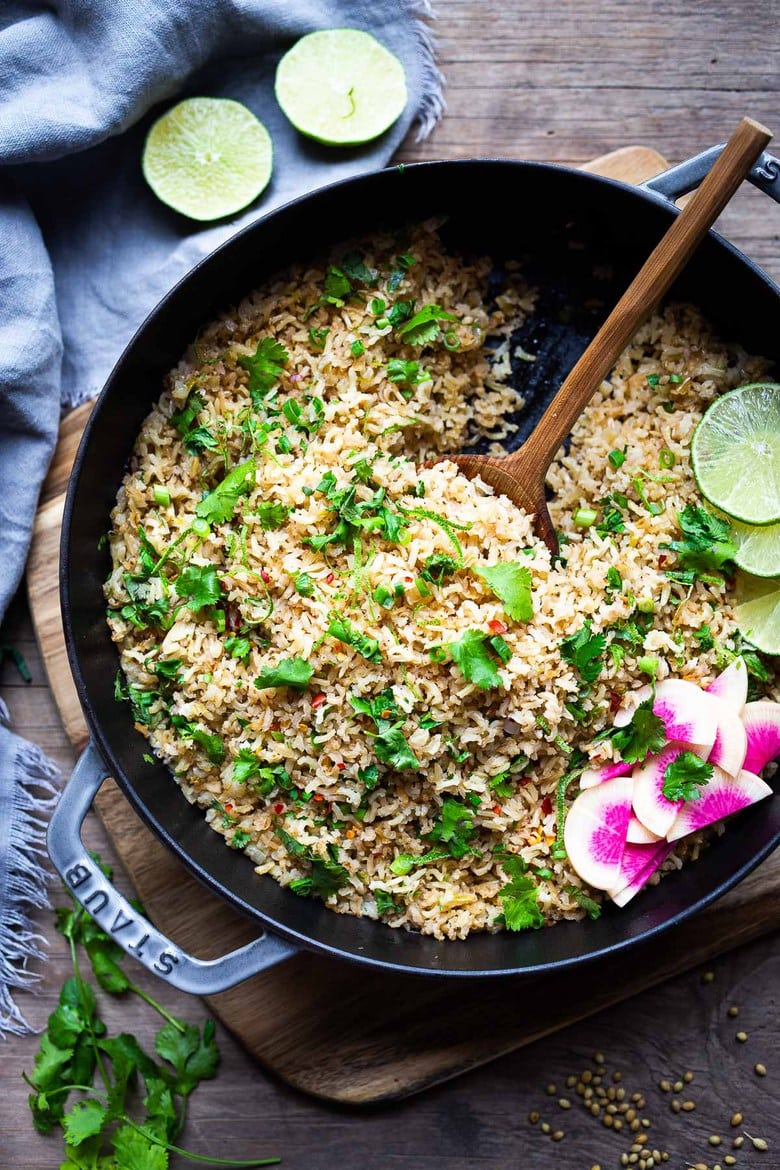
(595,832)
(639,834)
(730,746)
(685,709)
(602,772)
(731,685)
(762,724)
(650,805)
(639,864)
(721,796)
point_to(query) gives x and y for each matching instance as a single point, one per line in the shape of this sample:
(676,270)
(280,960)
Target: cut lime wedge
(759,548)
(207,157)
(735,453)
(757,610)
(341,86)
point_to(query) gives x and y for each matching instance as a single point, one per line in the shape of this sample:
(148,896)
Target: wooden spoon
(521,475)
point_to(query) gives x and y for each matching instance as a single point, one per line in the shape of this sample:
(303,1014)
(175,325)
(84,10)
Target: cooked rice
(323,744)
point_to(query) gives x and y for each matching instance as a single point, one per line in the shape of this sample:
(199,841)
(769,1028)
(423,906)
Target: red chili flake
(662,560)
(614,701)
(331,577)
(265,577)
(408,578)
(546,806)
(318,797)
(496,809)
(525,780)
(228,808)
(340,765)
(497,627)
(274,727)
(318,700)
(278,809)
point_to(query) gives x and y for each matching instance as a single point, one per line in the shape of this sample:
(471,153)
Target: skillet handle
(686,176)
(112,911)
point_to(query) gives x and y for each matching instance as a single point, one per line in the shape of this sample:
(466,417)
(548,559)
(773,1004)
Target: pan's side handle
(112,911)
(686,176)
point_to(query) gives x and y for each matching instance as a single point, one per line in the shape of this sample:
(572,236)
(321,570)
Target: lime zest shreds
(447,526)
(341,86)
(735,453)
(207,157)
(757,611)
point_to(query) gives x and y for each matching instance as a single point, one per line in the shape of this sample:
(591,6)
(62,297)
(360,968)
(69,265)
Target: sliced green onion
(584,517)
(382,323)
(357,348)
(666,458)
(648,665)
(437,654)
(646,605)
(377,306)
(162,496)
(617,458)
(422,588)
(450,340)
(383,596)
(200,526)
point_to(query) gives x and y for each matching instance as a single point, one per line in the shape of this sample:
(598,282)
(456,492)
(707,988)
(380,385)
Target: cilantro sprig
(265,367)
(684,777)
(111,1125)
(390,742)
(220,504)
(584,651)
(474,653)
(327,875)
(519,897)
(706,552)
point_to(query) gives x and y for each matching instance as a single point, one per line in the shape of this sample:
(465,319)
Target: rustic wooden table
(564,83)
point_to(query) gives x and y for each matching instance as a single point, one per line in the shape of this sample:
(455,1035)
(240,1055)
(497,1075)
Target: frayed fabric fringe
(28,792)
(432,104)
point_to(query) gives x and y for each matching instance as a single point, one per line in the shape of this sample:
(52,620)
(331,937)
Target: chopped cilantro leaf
(614,580)
(384,903)
(399,312)
(684,776)
(403,863)
(389,741)
(584,651)
(219,505)
(210,743)
(304,584)
(240,839)
(289,672)
(438,566)
(337,287)
(357,348)
(237,647)
(704,637)
(353,266)
(318,337)
(409,373)
(265,367)
(339,627)
(424,327)
(519,897)
(197,438)
(272,514)
(643,736)
(199,586)
(706,549)
(511,583)
(611,517)
(454,828)
(472,654)
(245,766)
(327,875)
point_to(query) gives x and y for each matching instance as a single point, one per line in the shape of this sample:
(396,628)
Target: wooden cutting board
(333,1029)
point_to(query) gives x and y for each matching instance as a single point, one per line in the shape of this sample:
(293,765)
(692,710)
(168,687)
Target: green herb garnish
(288,672)
(272,514)
(219,505)
(424,327)
(706,550)
(519,897)
(511,583)
(473,654)
(210,743)
(584,651)
(327,875)
(264,367)
(684,776)
(389,740)
(198,585)
(342,629)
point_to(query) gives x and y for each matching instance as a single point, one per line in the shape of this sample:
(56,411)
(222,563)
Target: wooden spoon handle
(640,298)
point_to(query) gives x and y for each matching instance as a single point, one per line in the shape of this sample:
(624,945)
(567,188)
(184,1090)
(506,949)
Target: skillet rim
(137,803)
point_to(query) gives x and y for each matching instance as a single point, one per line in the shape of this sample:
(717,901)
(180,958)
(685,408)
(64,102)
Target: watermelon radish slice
(762,724)
(684,708)
(639,834)
(637,867)
(721,796)
(730,747)
(595,832)
(650,805)
(731,685)
(602,772)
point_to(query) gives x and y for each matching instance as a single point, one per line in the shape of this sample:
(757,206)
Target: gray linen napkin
(86,251)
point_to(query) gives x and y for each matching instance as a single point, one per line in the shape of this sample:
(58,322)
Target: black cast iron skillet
(580,238)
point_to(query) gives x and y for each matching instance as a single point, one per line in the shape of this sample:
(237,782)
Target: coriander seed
(736,1119)
(533,1117)
(551,1090)
(733,1011)
(760,1070)
(714,1140)
(664,1086)
(742,1037)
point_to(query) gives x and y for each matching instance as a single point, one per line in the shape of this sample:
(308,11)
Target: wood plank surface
(562,84)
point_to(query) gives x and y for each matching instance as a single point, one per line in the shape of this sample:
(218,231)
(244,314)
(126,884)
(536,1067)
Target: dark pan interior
(580,238)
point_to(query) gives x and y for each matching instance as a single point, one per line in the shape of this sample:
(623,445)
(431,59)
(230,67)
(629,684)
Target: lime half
(735,453)
(341,86)
(207,157)
(757,610)
(759,548)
